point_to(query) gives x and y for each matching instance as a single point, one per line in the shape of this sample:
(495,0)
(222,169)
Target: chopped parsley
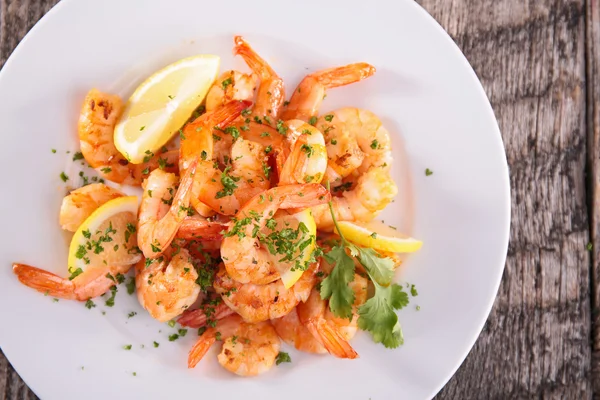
(111,300)
(226,83)
(312,120)
(428,172)
(413,291)
(78,156)
(308,149)
(266,170)
(156,344)
(75,273)
(130,285)
(329,117)
(228,182)
(127,347)
(281,128)
(283,357)
(374,144)
(89,304)
(64,177)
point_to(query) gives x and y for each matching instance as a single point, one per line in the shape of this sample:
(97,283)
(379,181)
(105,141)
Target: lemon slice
(378,236)
(162,104)
(289,274)
(107,236)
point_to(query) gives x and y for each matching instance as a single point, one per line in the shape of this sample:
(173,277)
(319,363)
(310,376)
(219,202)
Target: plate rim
(507,202)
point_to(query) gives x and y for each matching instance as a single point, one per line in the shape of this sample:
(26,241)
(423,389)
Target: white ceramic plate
(424,90)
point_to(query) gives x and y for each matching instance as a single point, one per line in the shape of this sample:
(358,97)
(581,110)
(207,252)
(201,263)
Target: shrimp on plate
(307,162)
(313,328)
(82,202)
(245,259)
(163,209)
(167,287)
(361,191)
(99,115)
(256,303)
(248,349)
(308,96)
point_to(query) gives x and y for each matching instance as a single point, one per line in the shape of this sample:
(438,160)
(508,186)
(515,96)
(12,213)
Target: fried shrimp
(257,303)
(366,188)
(166,287)
(308,96)
(248,349)
(99,115)
(245,259)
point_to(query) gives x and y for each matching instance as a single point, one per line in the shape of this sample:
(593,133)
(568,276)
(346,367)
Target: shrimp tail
(45,282)
(198,318)
(202,345)
(340,76)
(330,338)
(305,196)
(201,229)
(256,63)
(228,113)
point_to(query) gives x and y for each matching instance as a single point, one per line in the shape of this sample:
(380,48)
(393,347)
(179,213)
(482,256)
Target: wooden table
(539,63)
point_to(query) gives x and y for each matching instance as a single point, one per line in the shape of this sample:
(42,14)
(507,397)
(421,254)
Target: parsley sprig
(378,314)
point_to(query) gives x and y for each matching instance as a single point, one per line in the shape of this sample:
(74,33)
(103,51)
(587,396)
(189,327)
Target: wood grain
(530,57)
(538,61)
(593,122)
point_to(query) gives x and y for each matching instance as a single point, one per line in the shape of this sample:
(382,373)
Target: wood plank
(593,122)
(17,17)
(530,56)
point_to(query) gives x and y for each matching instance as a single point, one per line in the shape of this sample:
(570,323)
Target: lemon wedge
(378,236)
(162,104)
(289,274)
(107,236)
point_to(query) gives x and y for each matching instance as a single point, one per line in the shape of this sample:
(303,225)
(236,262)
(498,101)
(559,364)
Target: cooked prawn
(331,331)
(307,161)
(197,139)
(368,187)
(257,303)
(231,85)
(308,96)
(199,317)
(162,210)
(246,175)
(199,228)
(93,282)
(245,259)
(248,349)
(166,288)
(97,121)
(293,332)
(82,202)
(271,92)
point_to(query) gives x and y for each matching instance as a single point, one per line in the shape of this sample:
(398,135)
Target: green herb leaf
(283,357)
(380,269)
(377,315)
(336,287)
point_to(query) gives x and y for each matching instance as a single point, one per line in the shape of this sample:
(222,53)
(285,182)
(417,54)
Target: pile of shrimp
(249,156)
